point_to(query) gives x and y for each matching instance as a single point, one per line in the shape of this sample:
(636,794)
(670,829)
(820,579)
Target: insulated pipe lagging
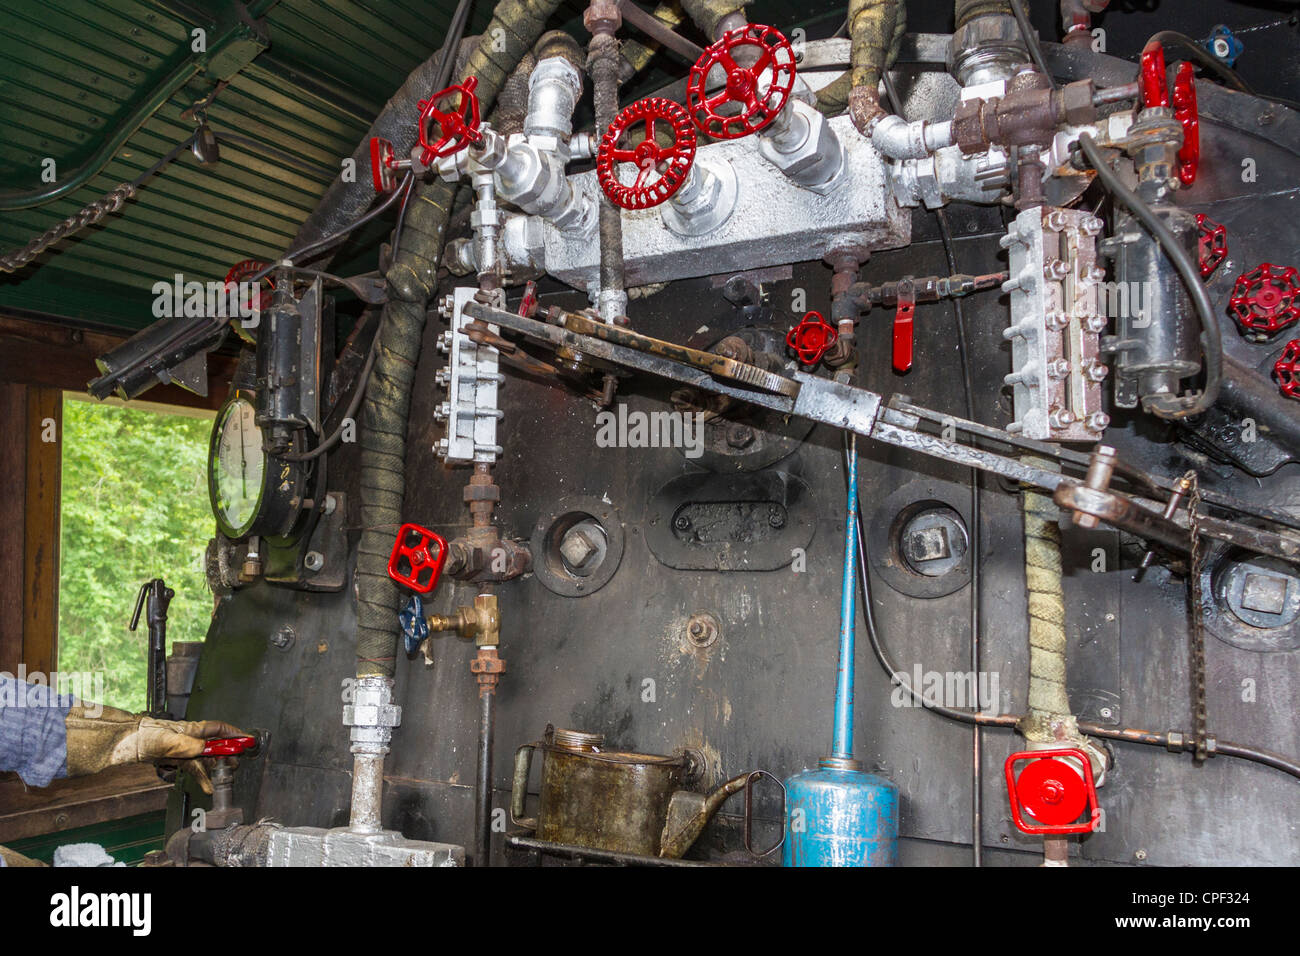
(842,740)
(709,15)
(1049,718)
(412,279)
(875,31)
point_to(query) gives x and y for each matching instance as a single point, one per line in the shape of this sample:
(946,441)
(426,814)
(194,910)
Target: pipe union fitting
(814,159)
(371,714)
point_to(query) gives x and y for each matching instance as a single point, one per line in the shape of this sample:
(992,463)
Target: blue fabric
(33,732)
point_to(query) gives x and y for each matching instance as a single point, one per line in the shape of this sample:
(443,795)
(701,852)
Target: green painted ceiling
(71,71)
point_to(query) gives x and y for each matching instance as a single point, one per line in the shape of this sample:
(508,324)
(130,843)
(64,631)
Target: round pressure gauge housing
(251,492)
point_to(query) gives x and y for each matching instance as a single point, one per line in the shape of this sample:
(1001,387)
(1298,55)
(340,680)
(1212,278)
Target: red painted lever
(1052,792)
(228,746)
(417,558)
(904,332)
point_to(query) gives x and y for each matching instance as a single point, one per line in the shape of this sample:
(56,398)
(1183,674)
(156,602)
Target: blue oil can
(840,815)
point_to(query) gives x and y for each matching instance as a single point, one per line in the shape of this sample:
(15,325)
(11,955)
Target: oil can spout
(689,812)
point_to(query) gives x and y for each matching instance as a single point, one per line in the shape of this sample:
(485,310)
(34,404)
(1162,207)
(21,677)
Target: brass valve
(482,621)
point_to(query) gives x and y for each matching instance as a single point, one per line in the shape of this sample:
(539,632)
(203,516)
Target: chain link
(88,215)
(1196,649)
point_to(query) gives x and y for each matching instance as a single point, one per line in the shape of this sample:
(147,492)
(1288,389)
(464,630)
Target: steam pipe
(715,17)
(483,777)
(875,29)
(603,65)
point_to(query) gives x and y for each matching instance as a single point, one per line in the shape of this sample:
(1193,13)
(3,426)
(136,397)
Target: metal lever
(904,333)
(158,595)
(835,402)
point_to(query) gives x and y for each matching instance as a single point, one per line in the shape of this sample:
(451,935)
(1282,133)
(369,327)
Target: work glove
(115,737)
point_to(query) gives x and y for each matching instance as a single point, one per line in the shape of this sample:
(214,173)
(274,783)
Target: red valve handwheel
(1263,300)
(1212,245)
(1053,790)
(811,338)
(246,269)
(753,94)
(457,125)
(1185,111)
(228,746)
(1287,370)
(383,165)
(669,163)
(1155,92)
(1155,82)
(416,553)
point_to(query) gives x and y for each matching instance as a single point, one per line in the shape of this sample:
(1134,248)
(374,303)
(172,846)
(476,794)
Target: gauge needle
(243,463)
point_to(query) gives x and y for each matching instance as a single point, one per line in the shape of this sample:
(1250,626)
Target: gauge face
(236,468)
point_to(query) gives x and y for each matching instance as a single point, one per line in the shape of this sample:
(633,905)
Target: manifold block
(764,219)
(1055,328)
(472,376)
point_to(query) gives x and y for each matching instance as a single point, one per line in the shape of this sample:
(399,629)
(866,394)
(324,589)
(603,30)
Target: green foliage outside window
(134,507)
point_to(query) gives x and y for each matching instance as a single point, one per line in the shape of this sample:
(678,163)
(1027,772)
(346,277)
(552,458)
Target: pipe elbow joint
(864,108)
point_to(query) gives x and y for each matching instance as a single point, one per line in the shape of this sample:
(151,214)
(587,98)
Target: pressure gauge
(251,492)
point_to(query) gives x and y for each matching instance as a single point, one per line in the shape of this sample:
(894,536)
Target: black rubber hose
(412,280)
(1030,36)
(1188,270)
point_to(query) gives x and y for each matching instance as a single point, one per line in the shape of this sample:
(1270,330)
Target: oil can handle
(750,779)
(519,787)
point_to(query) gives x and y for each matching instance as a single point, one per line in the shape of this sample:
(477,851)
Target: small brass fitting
(482,621)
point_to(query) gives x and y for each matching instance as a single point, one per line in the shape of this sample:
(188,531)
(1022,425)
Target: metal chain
(1196,649)
(86,216)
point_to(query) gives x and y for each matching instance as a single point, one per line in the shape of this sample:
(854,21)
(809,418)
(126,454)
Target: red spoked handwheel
(1264,299)
(1212,245)
(245,269)
(754,93)
(811,338)
(1155,92)
(383,165)
(1185,111)
(661,168)
(1287,369)
(457,123)
(1155,82)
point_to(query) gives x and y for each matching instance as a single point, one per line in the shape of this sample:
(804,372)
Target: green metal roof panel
(71,71)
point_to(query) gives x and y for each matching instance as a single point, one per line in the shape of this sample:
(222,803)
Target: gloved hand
(116,737)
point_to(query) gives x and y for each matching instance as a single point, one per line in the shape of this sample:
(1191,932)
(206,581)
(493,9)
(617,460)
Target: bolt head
(578,548)
(739,436)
